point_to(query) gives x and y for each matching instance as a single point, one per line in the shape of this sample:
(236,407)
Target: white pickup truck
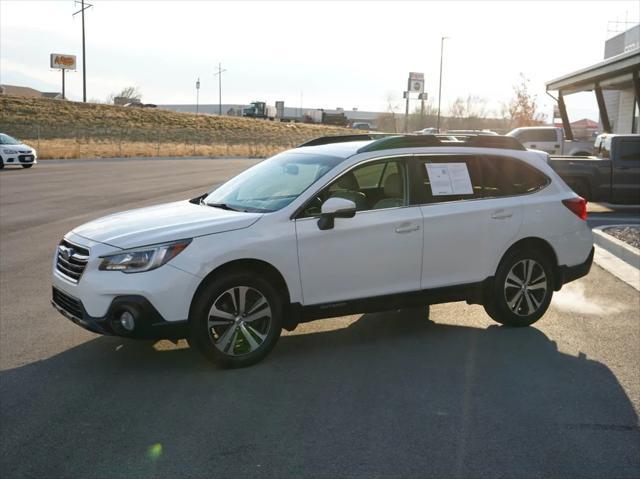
(551,140)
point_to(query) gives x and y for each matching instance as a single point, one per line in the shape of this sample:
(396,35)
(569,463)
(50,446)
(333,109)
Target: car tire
(27,166)
(522,288)
(1,163)
(236,319)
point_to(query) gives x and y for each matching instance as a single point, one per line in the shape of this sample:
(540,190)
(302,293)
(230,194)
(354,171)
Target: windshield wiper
(222,206)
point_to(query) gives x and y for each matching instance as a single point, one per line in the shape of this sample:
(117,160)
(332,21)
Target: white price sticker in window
(449,179)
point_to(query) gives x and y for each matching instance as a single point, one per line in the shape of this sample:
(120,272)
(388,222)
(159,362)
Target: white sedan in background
(13,152)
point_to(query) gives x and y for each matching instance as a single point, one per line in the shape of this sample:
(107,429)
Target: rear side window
(503,176)
(630,149)
(457,178)
(448,178)
(546,135)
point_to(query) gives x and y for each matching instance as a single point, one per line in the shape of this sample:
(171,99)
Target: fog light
(127,321)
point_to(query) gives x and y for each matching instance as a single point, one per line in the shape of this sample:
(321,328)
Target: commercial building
(26,92)
(615,82)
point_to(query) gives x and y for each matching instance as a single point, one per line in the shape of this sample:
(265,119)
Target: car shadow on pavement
(390,395)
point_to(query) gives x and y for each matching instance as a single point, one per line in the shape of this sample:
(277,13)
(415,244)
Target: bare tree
(458,108)
(388,121)
(522,108)
(422,117)
(131,93)
(467,113)
(392,103)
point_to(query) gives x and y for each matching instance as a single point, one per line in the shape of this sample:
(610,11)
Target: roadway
(379,395)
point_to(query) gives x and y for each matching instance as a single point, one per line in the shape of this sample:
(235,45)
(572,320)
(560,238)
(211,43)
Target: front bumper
(160,296)
(19,159)
(149,324)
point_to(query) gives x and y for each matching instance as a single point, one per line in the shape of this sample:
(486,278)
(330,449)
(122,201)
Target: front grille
(72,260)
(25,158)
(70,304)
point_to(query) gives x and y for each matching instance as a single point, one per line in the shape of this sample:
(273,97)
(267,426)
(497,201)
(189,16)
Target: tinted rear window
(630,149)
(489,177)
(537,135)
(503,176)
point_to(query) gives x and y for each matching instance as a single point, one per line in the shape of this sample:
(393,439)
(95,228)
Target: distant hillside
(55,117)
(65,129)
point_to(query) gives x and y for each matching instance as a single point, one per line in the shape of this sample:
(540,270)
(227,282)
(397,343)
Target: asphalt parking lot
(379,395)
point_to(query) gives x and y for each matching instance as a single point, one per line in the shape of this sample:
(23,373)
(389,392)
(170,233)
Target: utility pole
(406,112)
(440,82)
(219,75)
(83,7)
(198,95)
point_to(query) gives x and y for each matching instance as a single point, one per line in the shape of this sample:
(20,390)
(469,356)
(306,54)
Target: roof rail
(401,141)
(326,140)
(414,141)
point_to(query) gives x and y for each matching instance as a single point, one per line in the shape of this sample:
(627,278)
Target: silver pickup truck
(551,140)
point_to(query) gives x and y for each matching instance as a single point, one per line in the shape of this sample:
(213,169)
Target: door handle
(501,215)
(407,228)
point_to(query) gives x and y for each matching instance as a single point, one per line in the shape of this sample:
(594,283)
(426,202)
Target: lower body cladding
(134,316)
(127,316)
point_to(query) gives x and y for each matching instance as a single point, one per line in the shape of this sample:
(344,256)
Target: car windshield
(8,140)
(273,183)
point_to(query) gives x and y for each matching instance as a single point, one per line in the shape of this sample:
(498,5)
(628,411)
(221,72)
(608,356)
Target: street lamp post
(198,95)
(440,82)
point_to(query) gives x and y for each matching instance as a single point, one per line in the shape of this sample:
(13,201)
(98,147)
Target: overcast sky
(332,54)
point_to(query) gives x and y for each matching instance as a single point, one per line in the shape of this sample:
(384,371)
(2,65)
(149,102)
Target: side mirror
(335,208)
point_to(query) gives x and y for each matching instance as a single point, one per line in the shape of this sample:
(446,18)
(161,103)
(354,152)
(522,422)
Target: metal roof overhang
(614,73)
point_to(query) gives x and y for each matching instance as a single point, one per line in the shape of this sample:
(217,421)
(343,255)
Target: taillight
(578,206)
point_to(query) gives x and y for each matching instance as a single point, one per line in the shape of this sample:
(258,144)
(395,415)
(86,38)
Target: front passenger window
(372,186)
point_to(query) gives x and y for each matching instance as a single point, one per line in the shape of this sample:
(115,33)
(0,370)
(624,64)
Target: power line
(83,7)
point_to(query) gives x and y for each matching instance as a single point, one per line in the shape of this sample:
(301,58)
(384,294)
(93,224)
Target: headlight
(10,152)
(143,259)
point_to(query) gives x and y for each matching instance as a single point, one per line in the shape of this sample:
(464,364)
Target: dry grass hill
(65,129)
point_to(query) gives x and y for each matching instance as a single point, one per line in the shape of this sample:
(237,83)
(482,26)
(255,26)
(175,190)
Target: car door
(375,253)
(455,231)
(466,229)
(626,170)
(504,181)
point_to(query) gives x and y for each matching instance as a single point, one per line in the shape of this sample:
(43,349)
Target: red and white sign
(63,62)
(416,82)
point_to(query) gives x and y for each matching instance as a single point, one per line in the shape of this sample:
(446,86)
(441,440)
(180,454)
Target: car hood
(166,222)
(21,147)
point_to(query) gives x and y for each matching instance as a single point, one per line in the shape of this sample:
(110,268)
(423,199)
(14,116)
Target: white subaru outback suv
(339,225)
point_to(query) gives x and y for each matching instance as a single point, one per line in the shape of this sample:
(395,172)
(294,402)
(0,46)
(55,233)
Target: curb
(618,248)
(618,268)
